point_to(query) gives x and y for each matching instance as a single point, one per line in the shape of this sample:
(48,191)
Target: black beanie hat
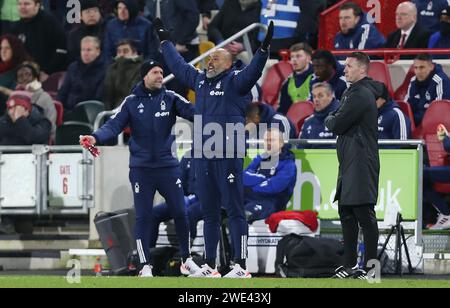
(88,4)
(383,92)
(148,65)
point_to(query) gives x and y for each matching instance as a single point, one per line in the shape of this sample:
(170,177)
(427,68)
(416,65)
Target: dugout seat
(407,111)
(402,91)
(85,112)
(437,113)
(69,132)
(299,112)
(380,72)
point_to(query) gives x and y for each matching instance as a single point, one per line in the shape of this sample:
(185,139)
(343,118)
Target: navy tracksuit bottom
(220,185)
(145,183)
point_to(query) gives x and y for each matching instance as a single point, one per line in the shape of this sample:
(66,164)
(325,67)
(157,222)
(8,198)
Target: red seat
(407,111)
(437,113)
(299,112)
(54,82)
(274,79)
(59,113)
(401,92)
(380,72)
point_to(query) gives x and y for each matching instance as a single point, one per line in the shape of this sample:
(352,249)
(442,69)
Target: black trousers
(353,217)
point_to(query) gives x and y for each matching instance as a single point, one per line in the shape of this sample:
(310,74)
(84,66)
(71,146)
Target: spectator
(430,83)
(297,87)
(205,7)
(326,70)
(43,37)
(270,178)
(432,175)
(324,104)
(129,25)
(429,12)
(8,15)
(356,32)
(12,54)
(260,117)
(92,24)
(308,25)
(286,16)
(28,80)
(84,78)
(23,124)
(181,18)
(122,75)
(234,16)
(409,33)
(441,39)
(392,123)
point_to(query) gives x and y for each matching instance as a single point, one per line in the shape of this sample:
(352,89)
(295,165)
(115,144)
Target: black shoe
(360,274)
(342,273)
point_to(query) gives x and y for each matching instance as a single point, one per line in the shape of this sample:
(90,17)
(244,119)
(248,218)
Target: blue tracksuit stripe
(400,130)
(422,93)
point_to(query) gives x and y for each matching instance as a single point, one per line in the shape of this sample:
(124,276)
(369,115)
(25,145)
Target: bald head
(221,60)
(406,15)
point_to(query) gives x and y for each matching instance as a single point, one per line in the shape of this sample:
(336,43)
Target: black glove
(162,33)
(265,44)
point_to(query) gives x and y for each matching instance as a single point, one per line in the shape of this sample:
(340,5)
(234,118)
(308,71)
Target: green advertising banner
(317,172)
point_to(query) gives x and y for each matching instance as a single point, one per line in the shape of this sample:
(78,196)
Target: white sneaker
(237,272)
(442,223)
(189,267)
(206,272)
(146,272)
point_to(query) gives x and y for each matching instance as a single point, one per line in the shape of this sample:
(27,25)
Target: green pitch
(119,282)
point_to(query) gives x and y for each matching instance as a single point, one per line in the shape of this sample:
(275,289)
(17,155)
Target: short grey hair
(91,39)
(325,85)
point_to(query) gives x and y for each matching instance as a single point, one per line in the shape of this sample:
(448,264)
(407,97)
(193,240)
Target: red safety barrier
(391,55)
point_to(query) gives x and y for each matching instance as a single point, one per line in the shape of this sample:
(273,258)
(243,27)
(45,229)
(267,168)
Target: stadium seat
(407,111)
(54,82)
(59,112)
(274,79)
(85,112)
(401,92)
(69,132)
(379,71)
(299,112)
(437,113)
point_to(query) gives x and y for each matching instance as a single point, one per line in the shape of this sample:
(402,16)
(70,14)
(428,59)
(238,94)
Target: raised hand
(162,33)
(266,43)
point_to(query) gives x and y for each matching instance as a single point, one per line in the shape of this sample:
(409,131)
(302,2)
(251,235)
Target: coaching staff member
(355,123)
(223,94)
(151,111)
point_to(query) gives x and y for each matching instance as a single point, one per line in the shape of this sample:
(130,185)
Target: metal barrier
(46,180)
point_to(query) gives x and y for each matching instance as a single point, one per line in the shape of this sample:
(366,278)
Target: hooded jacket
(220,101)
(151,116)
(137,28)
(276,184)
(355,123)
(314,126)
(363,36)
(392,123)
(422,93)
(120,79)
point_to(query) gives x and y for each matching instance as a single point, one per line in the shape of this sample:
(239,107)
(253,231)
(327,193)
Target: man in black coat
(356,124)
(42,35)
(409,33)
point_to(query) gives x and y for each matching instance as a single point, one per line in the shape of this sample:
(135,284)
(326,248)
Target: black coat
(35,129)
(45,40)
(356,124)
(417,39)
